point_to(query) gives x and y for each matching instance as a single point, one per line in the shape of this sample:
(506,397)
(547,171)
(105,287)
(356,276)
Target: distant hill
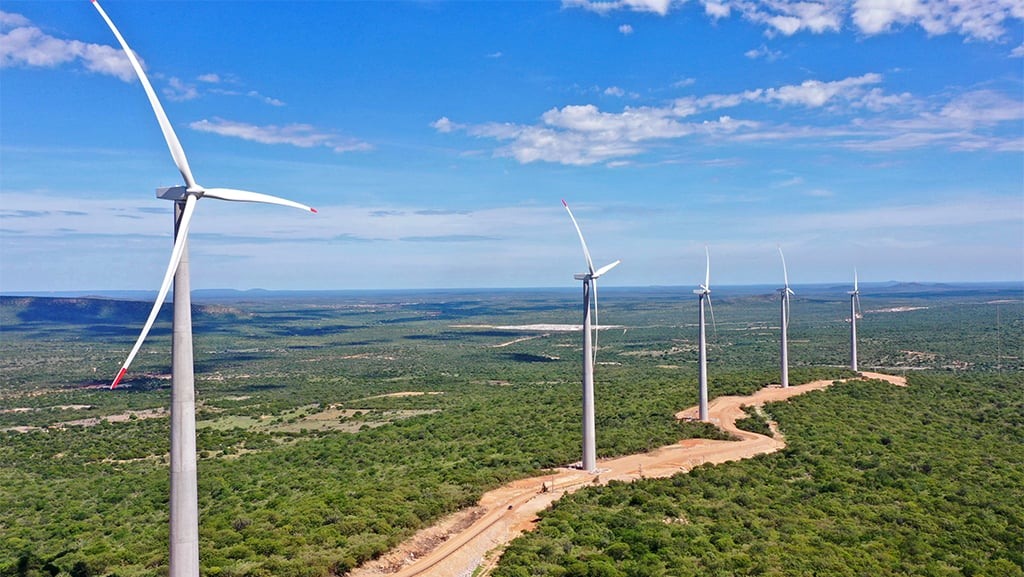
(89,311)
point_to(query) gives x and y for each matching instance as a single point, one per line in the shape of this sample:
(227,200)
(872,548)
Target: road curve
(474,538)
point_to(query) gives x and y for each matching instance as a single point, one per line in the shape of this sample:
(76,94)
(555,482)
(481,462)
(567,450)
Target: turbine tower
(704,293)
(184,506)
(589,462)
(854,307)
(785,292)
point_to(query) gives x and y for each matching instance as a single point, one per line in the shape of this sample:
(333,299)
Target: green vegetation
(755,422)
(308,464)
(875,480)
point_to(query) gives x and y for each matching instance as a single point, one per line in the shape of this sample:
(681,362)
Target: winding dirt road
(474,538)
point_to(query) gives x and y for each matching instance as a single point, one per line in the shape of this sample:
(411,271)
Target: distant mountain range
(891,288)
(120,308)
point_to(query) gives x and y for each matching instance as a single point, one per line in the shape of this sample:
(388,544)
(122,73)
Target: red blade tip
(313,210)
(120,374)
(565,204)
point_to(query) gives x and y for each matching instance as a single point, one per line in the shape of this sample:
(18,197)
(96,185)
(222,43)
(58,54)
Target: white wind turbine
(854,308)
(785,292)
(704,293)
(589,436)
(184,514)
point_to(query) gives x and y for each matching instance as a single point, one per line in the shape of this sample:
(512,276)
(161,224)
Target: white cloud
(444,125)
(210,78)
(851,113)
(967,122)
(12,20)
(984,107)
(763,52)
(265,99)
(815,93)
(633,124)
(614,91)
(660,7)
(27,46)
(852,91)
(784,16)
(179,91)
(792,181)
(625,29)
(301,135)
(1017,52)
(820,193)
(717,10)
(976,19)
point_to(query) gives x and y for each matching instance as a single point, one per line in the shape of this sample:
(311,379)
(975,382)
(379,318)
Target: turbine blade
(714,325)
(172,267)
(707,271)
(597,323)
(859,310)
(787,311)
(586,252)
(247,196)
(177,152)
(785,273)
(855,280)
(605,269)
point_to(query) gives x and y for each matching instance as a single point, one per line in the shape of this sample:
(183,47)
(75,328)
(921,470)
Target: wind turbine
(854,307)
(184,514)
(589,437)
(785,292)
(704,293)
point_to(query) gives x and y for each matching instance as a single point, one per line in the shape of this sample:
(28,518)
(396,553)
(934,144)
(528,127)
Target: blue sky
(438,138)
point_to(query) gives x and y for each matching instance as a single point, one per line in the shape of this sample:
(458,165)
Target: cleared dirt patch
(310,418)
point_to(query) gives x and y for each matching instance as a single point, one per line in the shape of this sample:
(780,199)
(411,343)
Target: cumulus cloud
(625,29)
(179,91)
(24,45)
(975,19)
(11,20)
(300,135)
(763,52)
(815,93)
(444,125)
(984,107)
(717,10)
(852,113)
(854,92)
(265,99)
(788,18)
(660,7)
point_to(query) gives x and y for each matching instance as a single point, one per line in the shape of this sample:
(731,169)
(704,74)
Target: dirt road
(474,538)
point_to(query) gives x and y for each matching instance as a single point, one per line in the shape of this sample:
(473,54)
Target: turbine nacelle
(175,193)
(596,274)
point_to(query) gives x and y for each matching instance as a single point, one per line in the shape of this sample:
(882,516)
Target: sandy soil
(474,538)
